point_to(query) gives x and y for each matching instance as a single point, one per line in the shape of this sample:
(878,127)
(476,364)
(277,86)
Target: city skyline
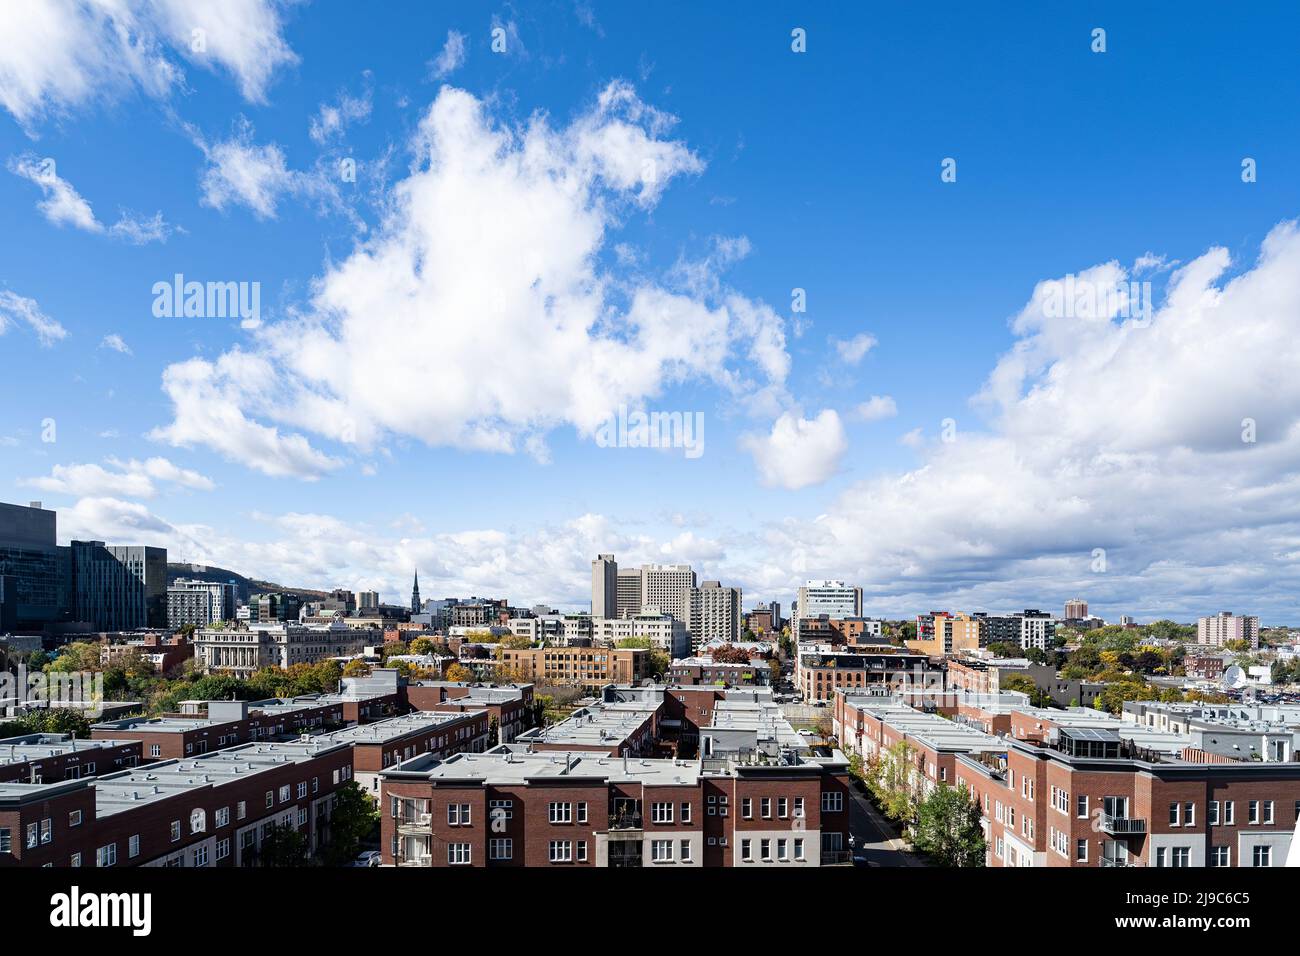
(899,387)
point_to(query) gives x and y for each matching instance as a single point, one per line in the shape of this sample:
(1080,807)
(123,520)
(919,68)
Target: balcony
(1110,862)
(1122,826)
(413,821)
(424,860)
(836,857)
(625,821)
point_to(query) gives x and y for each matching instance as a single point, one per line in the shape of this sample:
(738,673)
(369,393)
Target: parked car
(369,858)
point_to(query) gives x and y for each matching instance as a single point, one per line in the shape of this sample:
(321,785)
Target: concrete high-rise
(1076,609)
(667,588)
(835,599)
(38,569)
(715,614)
(628,593)
(201,603)
(604,586)
(1225,626)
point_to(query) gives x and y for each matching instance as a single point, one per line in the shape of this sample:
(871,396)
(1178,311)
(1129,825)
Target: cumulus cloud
(333,118)
(1152,462)
(799,451)
(451,57)
(491,246)
(854,350)
(876,408)
(126,479)
(17,310)
(63,205)
(60,55)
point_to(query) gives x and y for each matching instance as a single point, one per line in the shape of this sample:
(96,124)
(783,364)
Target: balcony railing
(1108,861)
(1122,826)
(421,860)
(414,819)
(836,857)
(625,821)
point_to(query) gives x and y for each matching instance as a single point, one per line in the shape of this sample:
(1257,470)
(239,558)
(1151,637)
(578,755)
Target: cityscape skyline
(939,391)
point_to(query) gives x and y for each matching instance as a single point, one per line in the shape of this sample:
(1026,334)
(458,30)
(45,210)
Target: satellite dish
(1235,677)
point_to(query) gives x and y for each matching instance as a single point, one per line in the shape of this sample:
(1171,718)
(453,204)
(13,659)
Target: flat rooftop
(394,728)
(932,730)
(154,782)
(607,723)
(502,767)
(31,747)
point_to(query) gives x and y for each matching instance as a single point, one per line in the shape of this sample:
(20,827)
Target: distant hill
(243,586)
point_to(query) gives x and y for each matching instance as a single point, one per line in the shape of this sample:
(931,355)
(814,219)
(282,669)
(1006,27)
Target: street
(873,837)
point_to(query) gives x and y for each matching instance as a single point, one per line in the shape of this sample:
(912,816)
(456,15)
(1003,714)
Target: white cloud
(876,408)
(63,205)
(333,118)
(491,246)
(854,350)
(1107,433)
(16,309)
(241,172)
(114,341)
(798,451)
(451,57)
(130,479)
(60,55)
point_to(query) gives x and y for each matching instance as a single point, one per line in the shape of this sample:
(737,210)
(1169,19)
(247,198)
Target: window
(155,750)
(6,840)
(1220,856)
(1262,856)
(76,859)
(1181,856)
(74,818)
(765,850)
(561,851)
(561,812)
(686,812)
(766,807)
(501,848)
(1081,806)
(1268,811)
(201,856)
(1081,851)
(1212,813)
(501,809)
(798,849)
(661,813)
(780,850)
(302,789)
(302,816)
(222,816)
(1189,814)
(176,830)
(1253,813)
(747,807)
(685,851)
(133,846)
(241,810)
(582,851)
(198,821)
(798,808)
(458,854)
(582,812)
(223,849)
(458,814)
(270,799)
(1230,812)
(745,850)
(782,807)
(47,830)
(832,801)
(106,855)
(285,793)
(1173,814)
(33,835)
(661,851)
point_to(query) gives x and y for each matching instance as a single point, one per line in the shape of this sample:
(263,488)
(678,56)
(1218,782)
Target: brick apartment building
(819,674)
(510,808)
(225,724)
(48,758)
(590,668)
(705,670)
(511,708)
(386,743)
(1084,801)
(212,810)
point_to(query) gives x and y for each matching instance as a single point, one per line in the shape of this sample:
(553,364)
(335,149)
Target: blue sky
(817,171)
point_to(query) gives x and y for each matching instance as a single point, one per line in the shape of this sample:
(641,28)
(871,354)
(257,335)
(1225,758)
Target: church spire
(415,594)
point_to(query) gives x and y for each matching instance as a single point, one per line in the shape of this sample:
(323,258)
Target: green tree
(282,847)
(354,818)
(948,828)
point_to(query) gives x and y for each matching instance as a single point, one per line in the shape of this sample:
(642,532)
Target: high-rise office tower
(667,587)
(119,588)
(604,586)
(628,599)
(201,603)
(39,570)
